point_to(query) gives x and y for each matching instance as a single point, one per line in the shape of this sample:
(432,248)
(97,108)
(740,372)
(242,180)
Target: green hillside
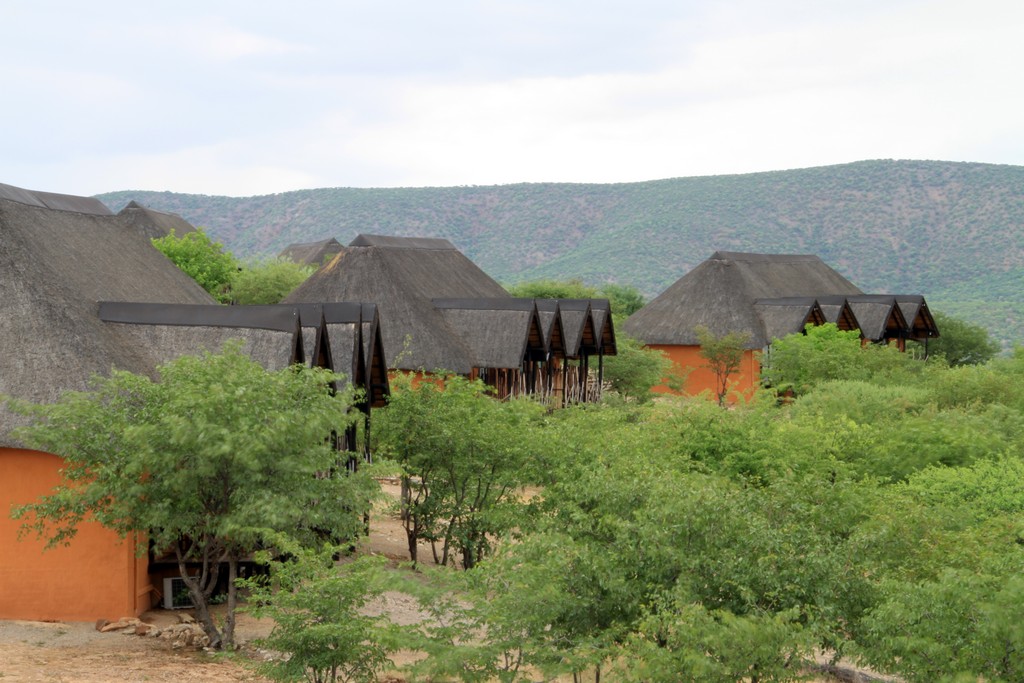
(952,231)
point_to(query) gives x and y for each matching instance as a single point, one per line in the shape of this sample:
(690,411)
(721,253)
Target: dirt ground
(75,652)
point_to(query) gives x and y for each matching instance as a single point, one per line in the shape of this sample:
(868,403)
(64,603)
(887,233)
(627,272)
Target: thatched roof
(581,336)
(269,334)
(52,200)
(378,387)
(601,310)
(837,310)
(920,323)
(153,223)
(878,316)
(551,326)
(788,315)
(720,294)
(55,266)
(500,332)
(402,275)
(312,253)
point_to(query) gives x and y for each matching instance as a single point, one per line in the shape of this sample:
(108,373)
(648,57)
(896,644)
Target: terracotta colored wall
(97,576)
(699,378)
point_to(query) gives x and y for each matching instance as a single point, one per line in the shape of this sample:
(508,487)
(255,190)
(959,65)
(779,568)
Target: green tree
(268,281)
(464,456)
(320,624)
(636,369)
(552,289)
(961,342)
(625,300)
(723,356)
(209,462)
(204,260)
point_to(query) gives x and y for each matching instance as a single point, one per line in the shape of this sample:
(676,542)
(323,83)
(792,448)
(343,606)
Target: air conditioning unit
(176,595)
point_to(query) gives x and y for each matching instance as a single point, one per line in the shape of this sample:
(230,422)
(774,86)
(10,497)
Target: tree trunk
(198,589)
(229,619)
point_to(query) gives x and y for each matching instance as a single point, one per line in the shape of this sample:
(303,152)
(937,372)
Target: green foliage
(320,628)
(625,300)
(552,289)
(636,369)
(209,462)
(723,356)
(268,281)
(683,641)
(961,342)
(962,626)
(822,353)
(464,457)
(204,260)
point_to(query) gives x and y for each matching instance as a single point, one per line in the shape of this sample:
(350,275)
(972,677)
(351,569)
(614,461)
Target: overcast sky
(252,97)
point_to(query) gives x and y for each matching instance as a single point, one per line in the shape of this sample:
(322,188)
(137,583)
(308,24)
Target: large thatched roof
(56,265)
(153,223)
(312,253)
(720,293)
(402,275)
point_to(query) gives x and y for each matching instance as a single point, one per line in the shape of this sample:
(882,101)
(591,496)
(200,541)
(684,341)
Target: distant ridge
(953,231)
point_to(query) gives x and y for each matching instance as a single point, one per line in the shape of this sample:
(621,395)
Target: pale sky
(247,98)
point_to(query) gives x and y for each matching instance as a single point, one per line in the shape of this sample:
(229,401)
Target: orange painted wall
(699,378)
(97,576)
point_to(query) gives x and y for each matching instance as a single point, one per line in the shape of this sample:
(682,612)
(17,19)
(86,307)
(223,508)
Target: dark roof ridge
(760,257)
(396,242)
(270,317)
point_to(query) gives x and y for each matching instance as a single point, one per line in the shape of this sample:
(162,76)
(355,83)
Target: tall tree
(209,462)
(464,456)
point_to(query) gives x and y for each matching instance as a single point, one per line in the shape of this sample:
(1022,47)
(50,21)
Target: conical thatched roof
(401,276)
(312,253)
(56,265)
(153,223)
(720,294)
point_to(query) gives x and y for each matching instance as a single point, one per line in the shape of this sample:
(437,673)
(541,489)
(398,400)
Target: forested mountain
(952,231)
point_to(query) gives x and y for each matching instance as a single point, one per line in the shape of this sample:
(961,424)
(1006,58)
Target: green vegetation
(722,356)
(875,516)
(459,482)
(216,459)
(960,342)
(202,259)
(267,281)
(317,610)
(950,231)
